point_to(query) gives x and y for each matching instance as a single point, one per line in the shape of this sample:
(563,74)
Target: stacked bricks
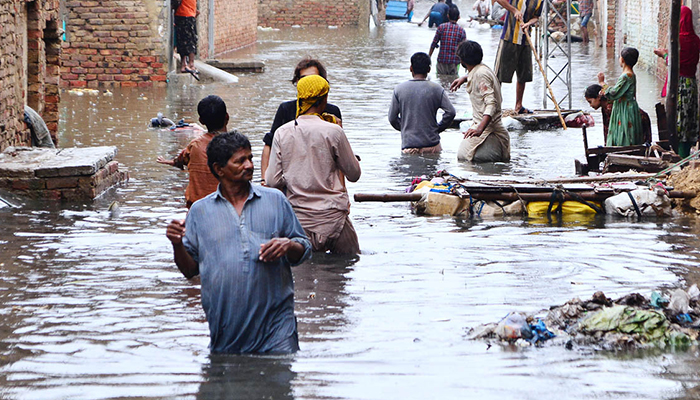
(281,13)
(114,43)
(70,181)
(33,79)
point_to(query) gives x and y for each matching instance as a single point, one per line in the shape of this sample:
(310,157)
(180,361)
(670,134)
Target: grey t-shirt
(413,112)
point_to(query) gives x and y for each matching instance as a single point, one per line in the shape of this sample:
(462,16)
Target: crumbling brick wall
(29,72)
(115,43)
(280,13)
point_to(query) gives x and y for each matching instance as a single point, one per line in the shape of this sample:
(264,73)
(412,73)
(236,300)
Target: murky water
(94,307)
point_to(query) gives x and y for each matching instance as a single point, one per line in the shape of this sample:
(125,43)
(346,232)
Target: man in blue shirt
(437,14)
(242,240)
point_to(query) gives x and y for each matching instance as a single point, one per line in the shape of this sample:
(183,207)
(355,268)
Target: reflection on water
(93,307)
(246,377)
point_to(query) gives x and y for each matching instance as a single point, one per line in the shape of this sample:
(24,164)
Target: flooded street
(94,307)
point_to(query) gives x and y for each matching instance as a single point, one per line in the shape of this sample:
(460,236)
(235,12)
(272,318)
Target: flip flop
(524,110)
(193,72)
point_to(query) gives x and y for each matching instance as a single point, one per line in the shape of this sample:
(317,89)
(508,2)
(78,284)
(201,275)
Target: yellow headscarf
(309,89)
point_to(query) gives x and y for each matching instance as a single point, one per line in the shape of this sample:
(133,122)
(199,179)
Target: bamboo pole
(546,81)
(544,196)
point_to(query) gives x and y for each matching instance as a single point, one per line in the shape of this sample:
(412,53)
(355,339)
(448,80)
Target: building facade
(29,66)
(128,42)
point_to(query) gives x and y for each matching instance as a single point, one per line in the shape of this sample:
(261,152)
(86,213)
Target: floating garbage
(84,91)
(630,322)
(161,122)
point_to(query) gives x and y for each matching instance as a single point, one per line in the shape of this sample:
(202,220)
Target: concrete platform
(60,174)
(229,65)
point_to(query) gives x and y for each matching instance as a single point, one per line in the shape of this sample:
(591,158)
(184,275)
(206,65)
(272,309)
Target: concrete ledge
(60,174)
(237,65)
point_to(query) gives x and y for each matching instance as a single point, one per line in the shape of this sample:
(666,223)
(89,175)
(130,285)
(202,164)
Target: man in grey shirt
(242,240)
(414,109)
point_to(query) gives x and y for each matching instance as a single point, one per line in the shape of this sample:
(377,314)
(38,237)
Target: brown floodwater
(93,307)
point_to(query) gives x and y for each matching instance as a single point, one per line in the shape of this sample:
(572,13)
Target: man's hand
(473,132)
(274,249)
(176,231)
(163,160)
(457,83)
(518,16)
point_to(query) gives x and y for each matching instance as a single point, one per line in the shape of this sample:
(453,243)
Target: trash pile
(630,322)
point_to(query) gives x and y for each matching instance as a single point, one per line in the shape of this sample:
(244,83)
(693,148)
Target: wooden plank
(588,196)
(615,149)
(614,162)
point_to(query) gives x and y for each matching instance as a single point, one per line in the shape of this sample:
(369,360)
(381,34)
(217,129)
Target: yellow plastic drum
(539,208)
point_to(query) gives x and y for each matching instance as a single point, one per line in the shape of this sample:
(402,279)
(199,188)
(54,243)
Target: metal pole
(568,39)
(171,33)
(545,46)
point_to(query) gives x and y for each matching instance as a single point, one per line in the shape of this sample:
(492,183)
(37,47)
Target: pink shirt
(306,156)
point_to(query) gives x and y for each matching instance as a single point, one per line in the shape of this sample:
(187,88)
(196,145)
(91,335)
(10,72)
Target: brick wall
(243,32)
(280,13)
(114,43)
(29,54)
(643,25)
(641,29)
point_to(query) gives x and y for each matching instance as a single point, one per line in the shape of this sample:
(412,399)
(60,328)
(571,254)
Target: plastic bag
(651,202)
(513,326)
(679,301)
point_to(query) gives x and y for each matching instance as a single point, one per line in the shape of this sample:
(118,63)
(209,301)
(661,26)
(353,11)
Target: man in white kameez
(487,140)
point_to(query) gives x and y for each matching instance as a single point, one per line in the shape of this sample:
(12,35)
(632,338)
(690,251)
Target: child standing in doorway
(625,122)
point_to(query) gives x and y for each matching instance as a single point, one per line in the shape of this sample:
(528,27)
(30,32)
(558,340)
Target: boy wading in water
(212,113)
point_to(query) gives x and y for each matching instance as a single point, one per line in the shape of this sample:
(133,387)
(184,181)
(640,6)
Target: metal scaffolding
(556,55)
